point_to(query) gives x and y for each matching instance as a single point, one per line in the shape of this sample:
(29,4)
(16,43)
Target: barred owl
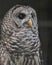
(20,44)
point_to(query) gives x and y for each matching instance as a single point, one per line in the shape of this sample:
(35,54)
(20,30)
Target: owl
(20,44)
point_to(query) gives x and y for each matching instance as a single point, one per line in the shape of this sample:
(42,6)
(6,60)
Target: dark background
(44,14)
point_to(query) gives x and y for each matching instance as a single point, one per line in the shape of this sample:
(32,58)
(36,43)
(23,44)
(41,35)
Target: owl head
(19,16)
(24,15)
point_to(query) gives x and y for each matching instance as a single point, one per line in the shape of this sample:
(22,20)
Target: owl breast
(27,37)
(23,41)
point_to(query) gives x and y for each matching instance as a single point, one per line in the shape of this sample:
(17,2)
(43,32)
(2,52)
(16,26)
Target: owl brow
(16,7)
(22,9)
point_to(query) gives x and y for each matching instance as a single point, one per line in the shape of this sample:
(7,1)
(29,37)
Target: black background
(44,14)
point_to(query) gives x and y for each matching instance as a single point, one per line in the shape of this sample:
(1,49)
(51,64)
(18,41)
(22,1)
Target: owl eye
(21,16)
(33,15)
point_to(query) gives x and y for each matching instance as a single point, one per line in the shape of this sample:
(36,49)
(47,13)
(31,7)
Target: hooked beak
(30,23)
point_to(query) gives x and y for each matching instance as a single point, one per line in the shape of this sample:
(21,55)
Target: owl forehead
(26,10)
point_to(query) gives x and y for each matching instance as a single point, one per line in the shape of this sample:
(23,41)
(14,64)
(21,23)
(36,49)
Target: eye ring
(21,16)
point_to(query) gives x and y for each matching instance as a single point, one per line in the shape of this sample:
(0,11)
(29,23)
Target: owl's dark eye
(33,15)
(21,16)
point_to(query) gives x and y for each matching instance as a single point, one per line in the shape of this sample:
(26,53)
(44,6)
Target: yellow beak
(30,23)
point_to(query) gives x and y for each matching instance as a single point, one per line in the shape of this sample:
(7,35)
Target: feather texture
(20,44)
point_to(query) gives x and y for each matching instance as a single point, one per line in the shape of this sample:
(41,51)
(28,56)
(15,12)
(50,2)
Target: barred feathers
(20,44)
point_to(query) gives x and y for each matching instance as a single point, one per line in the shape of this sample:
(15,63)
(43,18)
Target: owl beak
(30,23)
